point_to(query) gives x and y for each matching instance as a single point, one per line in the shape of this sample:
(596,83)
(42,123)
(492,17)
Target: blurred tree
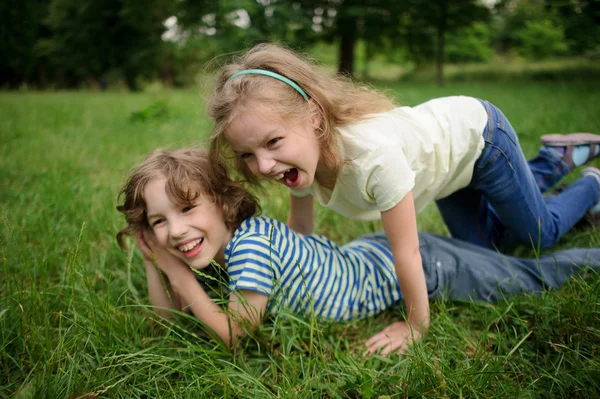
(429,23)
(542,39)
(573,23)
(347,21)
(470,44)
(581,22)
(22,27)
(91,37)
(230,25)
(420,25)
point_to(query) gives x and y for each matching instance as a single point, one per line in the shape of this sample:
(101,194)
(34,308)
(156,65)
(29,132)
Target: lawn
(75,318)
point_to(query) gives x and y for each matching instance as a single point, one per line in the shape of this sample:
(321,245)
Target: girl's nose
(265,165)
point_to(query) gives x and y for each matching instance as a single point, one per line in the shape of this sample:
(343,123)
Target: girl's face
(195,233)
(273,149)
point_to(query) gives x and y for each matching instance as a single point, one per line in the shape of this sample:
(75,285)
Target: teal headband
(273,75)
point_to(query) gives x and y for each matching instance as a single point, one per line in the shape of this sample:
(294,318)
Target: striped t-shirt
(312,274)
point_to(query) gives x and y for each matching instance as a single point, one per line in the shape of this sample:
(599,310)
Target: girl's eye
(274,141)
(188,208)
(245,156)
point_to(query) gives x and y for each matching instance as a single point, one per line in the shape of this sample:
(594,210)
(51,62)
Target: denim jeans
(504,204)
(456,269)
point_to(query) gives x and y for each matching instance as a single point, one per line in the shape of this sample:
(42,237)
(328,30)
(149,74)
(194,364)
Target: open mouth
(192,248)
(290,177)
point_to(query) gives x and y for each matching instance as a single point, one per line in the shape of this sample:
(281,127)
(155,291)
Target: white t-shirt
(430,149)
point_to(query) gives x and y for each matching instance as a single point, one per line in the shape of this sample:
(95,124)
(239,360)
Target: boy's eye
(273,141)
(245,156)
(156,222)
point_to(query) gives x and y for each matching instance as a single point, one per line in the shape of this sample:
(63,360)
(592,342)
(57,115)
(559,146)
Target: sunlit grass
(74,312)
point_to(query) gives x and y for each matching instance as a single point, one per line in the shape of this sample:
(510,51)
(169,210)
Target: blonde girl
(358,154)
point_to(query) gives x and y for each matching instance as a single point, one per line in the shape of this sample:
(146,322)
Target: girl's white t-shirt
(429,149)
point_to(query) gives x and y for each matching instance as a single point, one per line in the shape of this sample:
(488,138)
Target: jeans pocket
(504,126)
(500,142)
(488,156)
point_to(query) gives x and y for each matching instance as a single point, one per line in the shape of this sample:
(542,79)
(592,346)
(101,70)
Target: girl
(357,154)
(186,212)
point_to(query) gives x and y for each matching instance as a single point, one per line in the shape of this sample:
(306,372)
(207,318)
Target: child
(360,156)
(190,212)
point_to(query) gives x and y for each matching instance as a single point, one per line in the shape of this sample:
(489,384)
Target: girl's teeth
(282,175)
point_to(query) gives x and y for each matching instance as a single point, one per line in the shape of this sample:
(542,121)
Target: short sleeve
(390,177)
(300,193)
(252,264)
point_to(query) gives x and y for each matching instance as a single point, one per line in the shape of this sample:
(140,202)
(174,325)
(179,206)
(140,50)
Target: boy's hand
(398,336)
(155,254)
(140,239)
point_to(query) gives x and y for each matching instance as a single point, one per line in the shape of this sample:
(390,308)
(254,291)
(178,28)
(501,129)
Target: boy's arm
(400,226)
(301,217)
(161,295)
(246,308)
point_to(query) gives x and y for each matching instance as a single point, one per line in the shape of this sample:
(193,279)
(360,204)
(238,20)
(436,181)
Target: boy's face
(195,233)
(273,149)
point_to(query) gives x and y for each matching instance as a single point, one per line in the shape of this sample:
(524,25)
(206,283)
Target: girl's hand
(398,336)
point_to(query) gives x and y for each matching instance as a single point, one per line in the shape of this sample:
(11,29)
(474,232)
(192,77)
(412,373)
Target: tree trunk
(166,72)
(368,56)
(130,80)
(347,29)
(441,36)
(42,74)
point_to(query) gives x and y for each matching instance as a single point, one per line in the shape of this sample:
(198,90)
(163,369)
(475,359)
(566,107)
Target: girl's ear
(316,116)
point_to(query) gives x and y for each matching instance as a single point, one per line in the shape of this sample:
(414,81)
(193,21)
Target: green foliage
(155,111)
(89,39)
(470,44)
(21,29)
(566,27)
(89,43)
(580,22)
(542,39)
(74,313)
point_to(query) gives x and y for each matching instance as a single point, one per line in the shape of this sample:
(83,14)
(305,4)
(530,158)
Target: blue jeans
(455,269)
(504,204)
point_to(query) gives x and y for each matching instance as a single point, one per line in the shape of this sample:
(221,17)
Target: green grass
(74,312)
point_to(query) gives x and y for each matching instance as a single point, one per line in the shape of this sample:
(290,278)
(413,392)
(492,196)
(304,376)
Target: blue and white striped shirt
(312,274)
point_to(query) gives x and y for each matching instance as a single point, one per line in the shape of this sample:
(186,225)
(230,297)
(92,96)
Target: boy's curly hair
(189,174)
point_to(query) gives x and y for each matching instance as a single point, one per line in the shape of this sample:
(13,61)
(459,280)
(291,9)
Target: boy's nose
(265,165)
(177,228)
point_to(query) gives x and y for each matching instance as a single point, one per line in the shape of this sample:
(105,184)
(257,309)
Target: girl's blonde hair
(336,101)
(189,173)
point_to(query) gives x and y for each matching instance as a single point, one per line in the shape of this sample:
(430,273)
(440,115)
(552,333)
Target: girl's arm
(301,217)
(400,226)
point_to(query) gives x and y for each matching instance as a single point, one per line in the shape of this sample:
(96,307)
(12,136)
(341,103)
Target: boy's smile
(285,151)
(194,233)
